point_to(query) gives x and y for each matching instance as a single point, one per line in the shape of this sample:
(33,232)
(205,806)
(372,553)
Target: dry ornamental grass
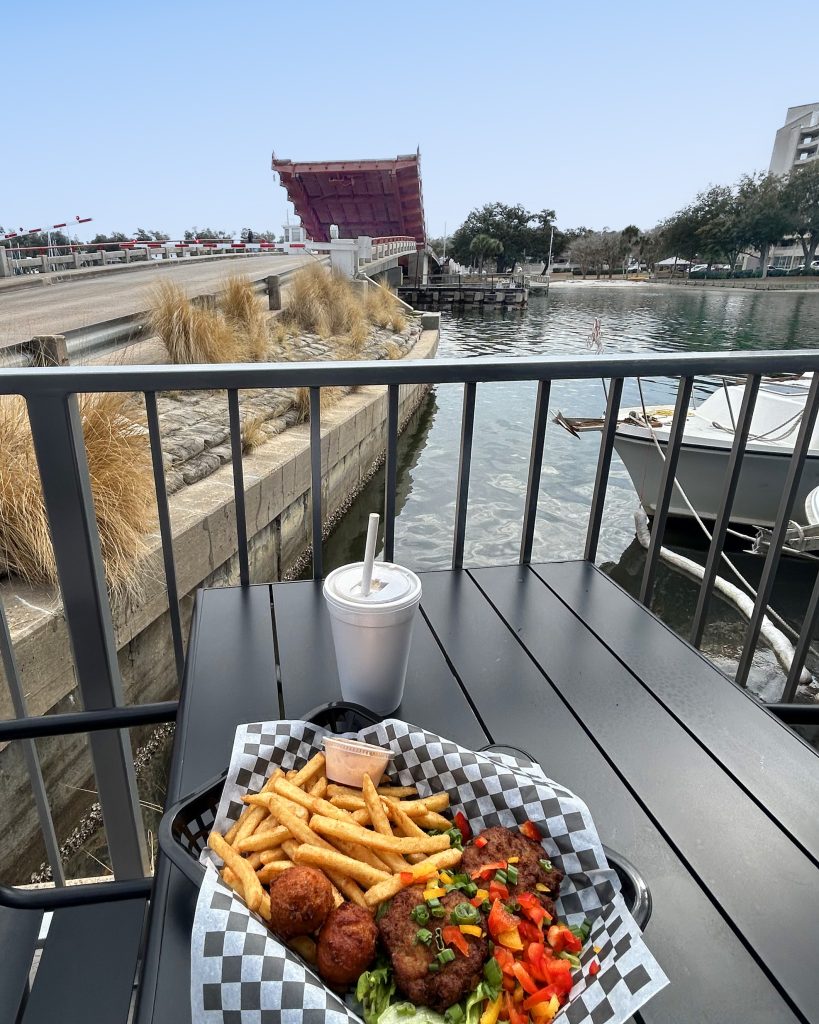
(121,483)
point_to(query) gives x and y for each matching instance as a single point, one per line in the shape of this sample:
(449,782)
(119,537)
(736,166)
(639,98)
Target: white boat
(706,445)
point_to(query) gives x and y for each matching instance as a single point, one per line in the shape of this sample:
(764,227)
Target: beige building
(796,142)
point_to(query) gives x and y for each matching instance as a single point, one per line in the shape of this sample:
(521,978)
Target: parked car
(776,271)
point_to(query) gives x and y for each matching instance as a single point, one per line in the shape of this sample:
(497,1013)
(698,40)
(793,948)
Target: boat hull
(701,471)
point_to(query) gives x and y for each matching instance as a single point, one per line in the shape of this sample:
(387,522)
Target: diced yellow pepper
(490,1014)
(519,994)
(430,894)
(471,929)
(482,894)
(541,887)
(445,878)
(513,860)
(597,949)
(546,1011)
(510,939)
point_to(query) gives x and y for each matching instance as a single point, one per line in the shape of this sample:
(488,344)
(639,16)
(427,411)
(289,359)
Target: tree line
(721,224)
(39,239)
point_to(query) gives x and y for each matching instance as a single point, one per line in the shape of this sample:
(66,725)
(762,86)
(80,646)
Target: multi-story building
(796,142)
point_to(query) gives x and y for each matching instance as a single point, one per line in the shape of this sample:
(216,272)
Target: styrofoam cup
(372,634)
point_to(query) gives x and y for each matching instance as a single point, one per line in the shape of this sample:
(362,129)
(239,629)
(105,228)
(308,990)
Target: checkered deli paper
(241,974)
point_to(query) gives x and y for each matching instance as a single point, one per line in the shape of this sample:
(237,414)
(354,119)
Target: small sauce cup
(348,761)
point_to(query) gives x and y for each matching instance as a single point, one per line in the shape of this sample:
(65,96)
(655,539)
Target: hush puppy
(300,900)
(346,944)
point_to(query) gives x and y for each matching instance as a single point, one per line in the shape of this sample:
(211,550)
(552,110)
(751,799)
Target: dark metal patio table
(711,796)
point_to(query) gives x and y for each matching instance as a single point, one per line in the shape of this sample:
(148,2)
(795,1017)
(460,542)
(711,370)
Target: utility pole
(444,255)
(549,262)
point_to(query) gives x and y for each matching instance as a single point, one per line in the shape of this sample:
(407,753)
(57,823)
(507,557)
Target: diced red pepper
(529,932)
(527,899)
(481,841)
(560,975)
(407,877)
(536,956)
(523,976)
(497,891)
(515,1016)
(505,959)
(560,938)
(476,901)
(594,967)
(542,995)
(485,870)
(531,831)
(509,983)
(500,920)
(453,936)
(463,825)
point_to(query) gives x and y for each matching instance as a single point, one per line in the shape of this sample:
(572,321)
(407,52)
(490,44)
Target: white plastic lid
(392,586)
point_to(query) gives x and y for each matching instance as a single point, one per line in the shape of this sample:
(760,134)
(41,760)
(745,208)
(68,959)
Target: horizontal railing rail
(51,399)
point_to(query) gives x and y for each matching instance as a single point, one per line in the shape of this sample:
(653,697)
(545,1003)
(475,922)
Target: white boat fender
(775,638)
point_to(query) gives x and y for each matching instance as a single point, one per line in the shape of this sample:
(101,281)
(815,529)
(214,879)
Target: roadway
(42,308)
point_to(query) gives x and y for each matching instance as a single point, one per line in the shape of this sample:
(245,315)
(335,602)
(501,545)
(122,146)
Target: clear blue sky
(164,115)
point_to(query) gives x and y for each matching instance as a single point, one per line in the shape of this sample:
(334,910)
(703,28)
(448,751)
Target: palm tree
(482,246)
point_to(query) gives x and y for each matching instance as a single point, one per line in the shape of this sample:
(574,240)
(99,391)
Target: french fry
(381,823)
(251,887)
(305,834)
(255,861)
(263,840)
(393,792)
(374,840)
(269,855)
(240,826)
(319,787)
(330,860)
(305,947)
(405,825)
(274,868)
(386,890)
(264,907)
(309,771)
(433,820)
(414,808)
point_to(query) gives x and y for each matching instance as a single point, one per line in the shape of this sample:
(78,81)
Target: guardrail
(51,400)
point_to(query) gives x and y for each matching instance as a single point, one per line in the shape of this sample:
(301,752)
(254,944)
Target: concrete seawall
(277,496)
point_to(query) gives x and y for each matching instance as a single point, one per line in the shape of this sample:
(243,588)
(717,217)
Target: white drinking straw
(369,553)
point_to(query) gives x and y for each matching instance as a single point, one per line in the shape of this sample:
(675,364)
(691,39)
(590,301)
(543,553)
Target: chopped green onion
(423,935)
(512,874)
(447,955)
(546,865)
(573,960)
(486,906)
(492,972)
(470,889)
(465,913)
(436,908)
(455,838)
(420,914)
(382,909)
(454,1015)
(433,966)
(500,876)
(439,939)
(581,931)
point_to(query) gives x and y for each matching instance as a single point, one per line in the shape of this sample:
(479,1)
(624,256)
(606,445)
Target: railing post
(390,468)
(464,464)
(672,456)
(780,529)
(56,431)
(535,465)
(601,479)
(743,428)
(315,480)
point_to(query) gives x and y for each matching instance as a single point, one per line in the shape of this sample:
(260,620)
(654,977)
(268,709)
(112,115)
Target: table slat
(706,815)
(757,749)
(520,707)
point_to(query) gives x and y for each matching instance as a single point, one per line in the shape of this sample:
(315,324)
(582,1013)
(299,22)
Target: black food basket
(184,829)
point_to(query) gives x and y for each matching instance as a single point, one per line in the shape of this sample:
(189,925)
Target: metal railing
(51,399)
